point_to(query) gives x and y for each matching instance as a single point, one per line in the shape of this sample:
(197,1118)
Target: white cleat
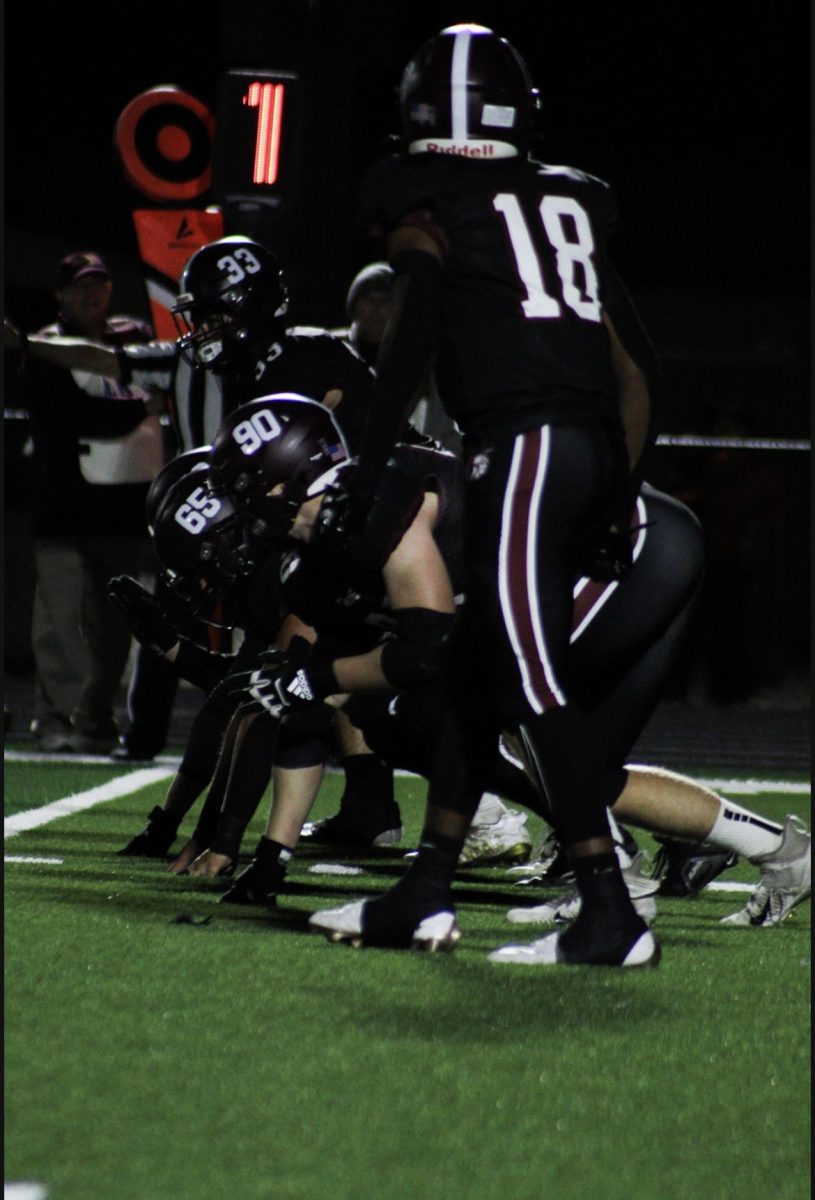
(435,933)
(786,879)
(505,840)
(641,889)
(340,924)
(546,952)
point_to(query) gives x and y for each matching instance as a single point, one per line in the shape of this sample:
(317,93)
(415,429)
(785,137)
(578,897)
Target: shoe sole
(519,853)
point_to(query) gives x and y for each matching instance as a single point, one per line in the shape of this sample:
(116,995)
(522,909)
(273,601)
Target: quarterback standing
(503,284)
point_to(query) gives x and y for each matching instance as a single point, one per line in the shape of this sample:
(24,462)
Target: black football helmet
(468,92)
(170,473)
(282,438)
(233,300)
(202,543)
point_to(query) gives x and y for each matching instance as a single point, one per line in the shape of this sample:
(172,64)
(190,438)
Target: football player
(235,344)
(503,274)
(626,636)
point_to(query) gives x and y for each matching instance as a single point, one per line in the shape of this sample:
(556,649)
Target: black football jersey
(303,359)
(522,340)
(312,362)
(348,603)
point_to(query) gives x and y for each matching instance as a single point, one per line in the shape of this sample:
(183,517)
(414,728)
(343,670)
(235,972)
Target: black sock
(437,858)
(271,855)
(368,783)
(599,879)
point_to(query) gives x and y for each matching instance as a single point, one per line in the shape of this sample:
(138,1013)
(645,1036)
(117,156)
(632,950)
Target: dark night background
(698,115)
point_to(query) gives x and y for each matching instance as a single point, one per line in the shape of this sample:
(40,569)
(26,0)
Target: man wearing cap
(368,306)
(97,444)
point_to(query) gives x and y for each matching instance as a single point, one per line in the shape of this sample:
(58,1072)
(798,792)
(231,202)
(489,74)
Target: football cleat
(434,933)
(685,868)
(641,889)
(383,830)
(786,879)
(642,951)
(255,885)
(551,867)
(155,839)
(505,840)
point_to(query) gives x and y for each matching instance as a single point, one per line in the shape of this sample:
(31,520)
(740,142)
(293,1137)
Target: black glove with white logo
(143,613)
(285,681)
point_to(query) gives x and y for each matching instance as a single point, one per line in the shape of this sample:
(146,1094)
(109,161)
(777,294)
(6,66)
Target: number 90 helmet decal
(202,542)
(285,444)
(233,299)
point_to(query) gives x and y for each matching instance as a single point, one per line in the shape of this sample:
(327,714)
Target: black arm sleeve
(406,353)
(635,341)
(204,668)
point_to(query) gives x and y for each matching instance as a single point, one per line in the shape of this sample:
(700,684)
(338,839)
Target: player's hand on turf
(188,854)
(209,864)
(143,613)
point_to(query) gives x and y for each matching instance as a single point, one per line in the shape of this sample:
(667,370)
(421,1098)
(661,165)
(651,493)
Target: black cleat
(380,828)
(155,839)
(133,752)
(256,885)
(685,868)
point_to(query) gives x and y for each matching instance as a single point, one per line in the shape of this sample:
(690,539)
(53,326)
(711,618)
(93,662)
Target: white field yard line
(737,787)
(121,786)
(32,858)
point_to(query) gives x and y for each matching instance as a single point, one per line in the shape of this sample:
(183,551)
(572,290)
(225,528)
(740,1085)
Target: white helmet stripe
(458,82)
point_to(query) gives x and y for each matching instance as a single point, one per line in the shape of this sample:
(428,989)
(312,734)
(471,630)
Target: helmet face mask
(273,454)
(468,92)
(233,299)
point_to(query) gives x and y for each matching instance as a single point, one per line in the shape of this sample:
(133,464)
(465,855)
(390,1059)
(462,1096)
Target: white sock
(745,832)
(490,810)
(623,857)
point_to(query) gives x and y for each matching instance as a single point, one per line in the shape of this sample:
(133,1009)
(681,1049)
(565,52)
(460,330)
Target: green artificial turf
(148,1059)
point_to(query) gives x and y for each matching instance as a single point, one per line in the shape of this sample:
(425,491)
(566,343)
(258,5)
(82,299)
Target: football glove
(285,681)
(143,614)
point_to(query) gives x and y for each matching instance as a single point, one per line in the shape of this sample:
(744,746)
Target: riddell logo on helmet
(483,150)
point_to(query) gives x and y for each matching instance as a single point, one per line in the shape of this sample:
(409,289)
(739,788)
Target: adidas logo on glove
(300,687)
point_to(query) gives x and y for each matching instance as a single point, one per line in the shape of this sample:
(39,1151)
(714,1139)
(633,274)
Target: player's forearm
(75,354)
(635,412)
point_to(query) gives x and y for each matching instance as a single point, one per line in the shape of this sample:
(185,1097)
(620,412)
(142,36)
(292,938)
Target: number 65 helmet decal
(202,542)
(285,444)
(233,300)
